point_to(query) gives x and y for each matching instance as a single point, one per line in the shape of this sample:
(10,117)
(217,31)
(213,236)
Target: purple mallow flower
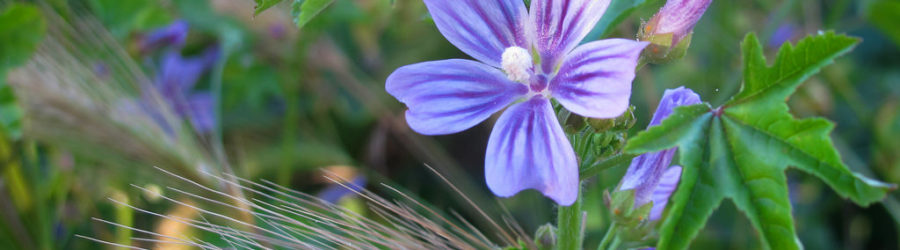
(177,77)
(649,174)
(524,59)
(173,36)
(677,17)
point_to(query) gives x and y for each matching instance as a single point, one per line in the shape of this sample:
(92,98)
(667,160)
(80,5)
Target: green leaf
(740,151)
(304,10)
(123,17)
(883,14)
(21,29)
(263,5)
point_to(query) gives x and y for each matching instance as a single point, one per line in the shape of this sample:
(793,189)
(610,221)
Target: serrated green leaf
(683,124)
(304,10)
(741,150)
(792,65)
(263,5)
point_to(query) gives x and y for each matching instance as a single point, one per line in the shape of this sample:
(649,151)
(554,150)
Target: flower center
(517,64)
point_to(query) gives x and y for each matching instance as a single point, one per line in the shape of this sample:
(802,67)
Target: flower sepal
(662,50)
(545,237)
(635,226)
(623,211)
(618,124)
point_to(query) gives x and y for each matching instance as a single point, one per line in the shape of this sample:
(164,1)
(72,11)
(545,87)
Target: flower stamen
(517,63)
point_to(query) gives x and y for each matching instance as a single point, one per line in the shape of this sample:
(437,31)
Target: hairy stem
(569,223)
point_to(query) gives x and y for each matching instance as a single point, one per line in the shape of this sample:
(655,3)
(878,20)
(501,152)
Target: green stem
(610,234)
(615,243)
(597,167)
(569,224)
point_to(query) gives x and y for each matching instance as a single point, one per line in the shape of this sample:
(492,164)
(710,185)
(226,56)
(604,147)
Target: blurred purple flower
(173,36)
(101,70)
(176,81)
(649,174)
(526,59)
(784,33)
(335,192)
(677,17)
(277,30)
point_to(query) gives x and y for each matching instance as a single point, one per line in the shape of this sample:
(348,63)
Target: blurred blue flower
(649,174)
(335,192)
(175,83)
(784,33)
(172,36)
(524,59)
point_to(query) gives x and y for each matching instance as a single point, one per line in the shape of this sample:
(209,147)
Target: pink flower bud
(669,31)
(677,17)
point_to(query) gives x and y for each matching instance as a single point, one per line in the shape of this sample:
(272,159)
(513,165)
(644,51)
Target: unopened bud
(545,237)
(621,123)
(669,31)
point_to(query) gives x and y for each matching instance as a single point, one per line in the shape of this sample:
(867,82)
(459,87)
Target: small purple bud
(649,174)
(173,35)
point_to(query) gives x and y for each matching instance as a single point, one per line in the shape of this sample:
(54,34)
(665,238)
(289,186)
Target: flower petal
(201,113)
(643,175)
(679,17)
(449,96)
(671,99)
(528,150)
(595,79)
(482,28)
(179,74)
(664,190)
(562,24)
(173,35)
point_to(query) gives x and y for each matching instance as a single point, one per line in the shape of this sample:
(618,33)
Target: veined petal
(649,174)
(643,175)
(528,150)
(449,96)
(663,191)
(678,17)
(595,79)
(482,28)
(561,25)
(671,99)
